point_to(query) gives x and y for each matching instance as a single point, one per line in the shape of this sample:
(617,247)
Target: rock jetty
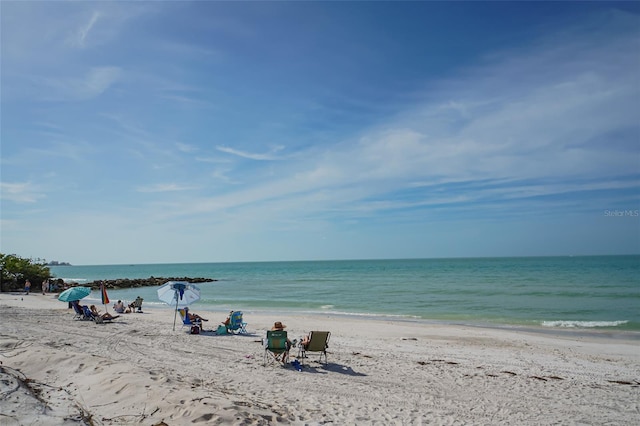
(143,282)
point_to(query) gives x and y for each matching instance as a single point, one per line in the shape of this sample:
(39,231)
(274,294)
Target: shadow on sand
(330,367)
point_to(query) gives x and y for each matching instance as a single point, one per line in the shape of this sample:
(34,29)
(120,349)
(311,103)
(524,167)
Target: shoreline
(568,332)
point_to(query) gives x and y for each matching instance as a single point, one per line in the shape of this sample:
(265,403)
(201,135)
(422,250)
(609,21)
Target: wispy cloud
(187,101)
(164,187)
(269,156)
(83,32)
(540,114)
(23,192)
(97,81)
(93,83)
(183,147)
(482,126)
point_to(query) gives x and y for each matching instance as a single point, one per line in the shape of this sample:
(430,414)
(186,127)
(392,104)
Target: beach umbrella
(178,294)
(74,293)
(105,297)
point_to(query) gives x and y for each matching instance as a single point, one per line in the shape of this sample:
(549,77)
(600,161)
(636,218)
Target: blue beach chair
(80,313)
(186,321)
(236,324)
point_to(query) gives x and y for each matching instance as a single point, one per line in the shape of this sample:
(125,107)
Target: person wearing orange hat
(279,326)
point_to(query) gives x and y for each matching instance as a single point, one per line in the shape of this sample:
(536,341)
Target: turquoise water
(599,292)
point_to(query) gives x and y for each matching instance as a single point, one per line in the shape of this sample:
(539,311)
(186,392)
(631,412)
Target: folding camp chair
(318,342)
(236,324)
(276,347)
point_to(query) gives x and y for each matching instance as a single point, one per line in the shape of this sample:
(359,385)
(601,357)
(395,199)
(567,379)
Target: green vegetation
(15,270)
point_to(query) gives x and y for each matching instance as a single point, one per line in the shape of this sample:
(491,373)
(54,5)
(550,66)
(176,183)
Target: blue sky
(152,132)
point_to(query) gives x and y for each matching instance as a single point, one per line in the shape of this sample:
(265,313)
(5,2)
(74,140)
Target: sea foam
(582,324)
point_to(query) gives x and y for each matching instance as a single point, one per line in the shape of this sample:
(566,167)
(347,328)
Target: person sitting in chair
(80,309)
(105,317)
(305,341)
(278,326)
(227,322)
(136,304)
(194,318)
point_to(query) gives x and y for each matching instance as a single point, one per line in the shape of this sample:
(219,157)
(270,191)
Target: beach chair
(89,315)
(98,319)
(236,325)
(276,349)
(80,315)
(318,342)
(136,306)
(186,321)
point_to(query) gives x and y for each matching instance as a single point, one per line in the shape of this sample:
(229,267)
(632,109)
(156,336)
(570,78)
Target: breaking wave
(582,324)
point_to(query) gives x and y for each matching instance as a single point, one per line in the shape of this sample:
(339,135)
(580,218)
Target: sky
(176,132)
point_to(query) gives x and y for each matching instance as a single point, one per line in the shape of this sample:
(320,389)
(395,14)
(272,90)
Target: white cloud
(91,84)
(269,156)
(187,148)
(164,187)
(24,192)
(97,81)
(44,33)
(535,114)
(83,32)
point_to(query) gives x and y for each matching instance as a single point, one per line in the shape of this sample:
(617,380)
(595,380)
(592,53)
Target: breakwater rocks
(144,282)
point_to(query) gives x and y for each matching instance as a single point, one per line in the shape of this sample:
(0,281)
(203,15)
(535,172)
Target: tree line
(16,270)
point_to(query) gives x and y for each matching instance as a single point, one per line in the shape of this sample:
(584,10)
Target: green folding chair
(276,348)
(318,342)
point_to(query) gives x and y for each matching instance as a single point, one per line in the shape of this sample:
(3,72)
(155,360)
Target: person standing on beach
(45,286)
(27,287)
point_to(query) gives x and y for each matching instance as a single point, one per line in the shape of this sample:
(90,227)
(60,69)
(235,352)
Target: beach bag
(195,329)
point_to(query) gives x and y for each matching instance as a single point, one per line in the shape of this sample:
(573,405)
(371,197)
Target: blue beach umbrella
(178,294)
(74,293)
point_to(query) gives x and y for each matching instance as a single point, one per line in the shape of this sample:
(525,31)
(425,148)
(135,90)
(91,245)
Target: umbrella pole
(175,314)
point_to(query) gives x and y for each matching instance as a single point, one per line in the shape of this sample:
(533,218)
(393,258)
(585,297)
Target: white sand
(136,370)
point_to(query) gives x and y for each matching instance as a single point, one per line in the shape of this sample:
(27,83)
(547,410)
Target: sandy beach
(137,370)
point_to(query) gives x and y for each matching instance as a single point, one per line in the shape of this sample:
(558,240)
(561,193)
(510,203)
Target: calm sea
(591,292)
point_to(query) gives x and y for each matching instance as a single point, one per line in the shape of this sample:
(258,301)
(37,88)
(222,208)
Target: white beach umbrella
(178,294)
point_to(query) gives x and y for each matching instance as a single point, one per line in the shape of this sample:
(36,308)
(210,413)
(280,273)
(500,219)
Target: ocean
(582,292)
